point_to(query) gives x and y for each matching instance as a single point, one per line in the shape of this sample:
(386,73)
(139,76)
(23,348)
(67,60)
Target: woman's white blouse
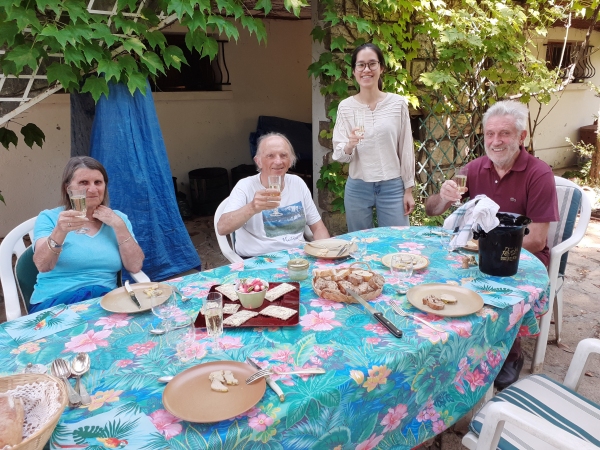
(386,150)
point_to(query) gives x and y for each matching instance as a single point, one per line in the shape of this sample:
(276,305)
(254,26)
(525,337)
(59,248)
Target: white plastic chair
(562,236)
(224,241)
(537,412)
(11,245)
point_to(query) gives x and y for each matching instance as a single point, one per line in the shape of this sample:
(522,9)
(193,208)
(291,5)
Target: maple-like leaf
(8,137)
(64,74)
(152,62)
(32,134)
(197,20)
(136,81)
(156,39)
(23,55)
(96,86)
(73,56)
(134,44)
(8,31)
(264,5)
(111,69)
(173,57)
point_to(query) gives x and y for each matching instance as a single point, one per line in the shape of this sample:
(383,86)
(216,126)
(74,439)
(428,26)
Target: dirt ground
(581,317)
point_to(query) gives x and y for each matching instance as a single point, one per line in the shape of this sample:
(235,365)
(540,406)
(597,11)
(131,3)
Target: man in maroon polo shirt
(518,182)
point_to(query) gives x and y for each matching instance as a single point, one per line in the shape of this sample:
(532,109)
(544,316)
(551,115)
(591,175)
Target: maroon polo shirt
(528,188)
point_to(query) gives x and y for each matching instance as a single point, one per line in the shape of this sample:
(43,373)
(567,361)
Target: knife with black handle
(378,315)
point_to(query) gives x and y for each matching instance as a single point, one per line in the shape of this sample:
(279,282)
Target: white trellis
(35,84)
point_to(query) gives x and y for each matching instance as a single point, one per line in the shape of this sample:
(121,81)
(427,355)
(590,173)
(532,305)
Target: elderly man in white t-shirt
(263,219)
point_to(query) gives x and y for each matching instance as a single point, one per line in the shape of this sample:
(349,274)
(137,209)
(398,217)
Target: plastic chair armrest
(140,277)
(577,367)
(498,413)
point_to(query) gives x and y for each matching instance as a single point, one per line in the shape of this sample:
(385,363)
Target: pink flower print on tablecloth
(377,375)
(79,307)
(323,352)
(518,311)
(326,305)
(236,267)
(230,342)
(285,356)
(88,341)
(322,321)
(434,336)
(438,426)
(260,422)
(373,340)
(28,347)
(166,423)
(142,349)
(114,321)
(428,413)
(102,397)
(462,328)
(370,443)
(475,379)
(252,412)
(195,350)
(412,247)
(393,418)
(377,328)
(493,357)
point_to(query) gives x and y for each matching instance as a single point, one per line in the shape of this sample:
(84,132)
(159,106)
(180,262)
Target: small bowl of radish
(251,292)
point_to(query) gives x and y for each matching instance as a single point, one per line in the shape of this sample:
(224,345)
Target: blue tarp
(127,140)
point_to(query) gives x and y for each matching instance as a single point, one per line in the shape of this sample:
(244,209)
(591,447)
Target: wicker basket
(347,298)
(38,439)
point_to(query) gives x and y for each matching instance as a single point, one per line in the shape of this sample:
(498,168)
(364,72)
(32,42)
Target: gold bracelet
(121,243)
(50,248)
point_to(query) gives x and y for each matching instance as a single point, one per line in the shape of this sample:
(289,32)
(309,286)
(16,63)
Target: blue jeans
(387,196)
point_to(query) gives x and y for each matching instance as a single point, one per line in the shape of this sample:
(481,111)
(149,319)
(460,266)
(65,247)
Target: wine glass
(213,313)
(359,122)
(163,309)
(275,183)
(460,178)
(358,249)
(77,197)
(182,338)
(401,268)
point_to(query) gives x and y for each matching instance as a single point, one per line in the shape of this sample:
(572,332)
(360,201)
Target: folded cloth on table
(479,211)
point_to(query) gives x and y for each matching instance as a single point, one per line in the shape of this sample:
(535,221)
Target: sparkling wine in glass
(275,184)
(401,268)
(213,313)
(460,178)
(359,122)
(77,197)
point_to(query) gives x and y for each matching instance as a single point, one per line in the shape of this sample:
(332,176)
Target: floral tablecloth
(378,392)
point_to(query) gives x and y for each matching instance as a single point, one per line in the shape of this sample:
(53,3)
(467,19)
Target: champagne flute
(401,267)
(460,178)
(359,122)
(213,313)
(275,184)
(77,197)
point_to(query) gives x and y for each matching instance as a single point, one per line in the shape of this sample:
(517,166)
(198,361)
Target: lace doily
(40,402)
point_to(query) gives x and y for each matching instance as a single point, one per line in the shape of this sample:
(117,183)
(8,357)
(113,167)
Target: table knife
(378,315)
(272,383)
(344,248)
(132,294)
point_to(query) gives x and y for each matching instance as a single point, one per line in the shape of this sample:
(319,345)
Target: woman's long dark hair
(379,54)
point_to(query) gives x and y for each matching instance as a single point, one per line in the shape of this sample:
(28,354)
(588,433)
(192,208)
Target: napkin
(479,211)
(44,323)
(497,294)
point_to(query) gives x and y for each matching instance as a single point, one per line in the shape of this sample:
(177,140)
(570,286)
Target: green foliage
(333,179)
(584,161)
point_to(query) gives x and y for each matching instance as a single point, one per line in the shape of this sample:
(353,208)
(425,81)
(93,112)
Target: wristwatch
(53,243)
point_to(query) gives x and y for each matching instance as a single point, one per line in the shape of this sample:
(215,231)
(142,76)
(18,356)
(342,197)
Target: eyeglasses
(373,65)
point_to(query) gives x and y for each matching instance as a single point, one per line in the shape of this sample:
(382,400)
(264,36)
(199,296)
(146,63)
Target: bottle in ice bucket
(500,248)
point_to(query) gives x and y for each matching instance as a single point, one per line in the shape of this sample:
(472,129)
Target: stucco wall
(568,111)
(200,129)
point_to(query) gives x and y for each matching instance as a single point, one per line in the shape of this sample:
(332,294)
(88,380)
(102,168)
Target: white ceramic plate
(119,301)
(419,261)
(468,301)
(327,248)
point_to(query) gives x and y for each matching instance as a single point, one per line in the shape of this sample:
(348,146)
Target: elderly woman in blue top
(75,267)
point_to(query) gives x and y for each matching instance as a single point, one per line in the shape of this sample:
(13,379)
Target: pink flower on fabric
(323,353)
(141,349)
(259,354)
(493,358)
(114,321)
(192,351)
(517,314)
(393,418)
(433,335)
(124,362)
(79,307)
(370,443)
(439,426)
(237,266)
(166,423)
(475,379)
(283,356)
(252,412)
(323,321)
(377,328)
(412,246)
(326,305)
(427,414)
(102,397)
(229,342)
(88,341)
(373,340)
(261,422)
(316,360)
(534,292)
(463,329)
(488,312)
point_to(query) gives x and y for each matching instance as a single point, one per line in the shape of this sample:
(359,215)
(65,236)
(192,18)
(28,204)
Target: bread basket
(342,298)
(38,439)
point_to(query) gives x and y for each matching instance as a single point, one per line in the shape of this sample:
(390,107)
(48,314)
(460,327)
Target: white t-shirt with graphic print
(266,232)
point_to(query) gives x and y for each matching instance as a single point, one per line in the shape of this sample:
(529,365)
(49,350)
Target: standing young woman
(382,161)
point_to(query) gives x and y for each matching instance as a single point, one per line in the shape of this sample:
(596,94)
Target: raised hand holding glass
(460,178)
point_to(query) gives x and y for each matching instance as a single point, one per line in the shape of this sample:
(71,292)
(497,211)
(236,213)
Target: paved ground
(581,313)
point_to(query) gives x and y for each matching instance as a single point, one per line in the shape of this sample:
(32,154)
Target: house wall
(569,110)
(204,129)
